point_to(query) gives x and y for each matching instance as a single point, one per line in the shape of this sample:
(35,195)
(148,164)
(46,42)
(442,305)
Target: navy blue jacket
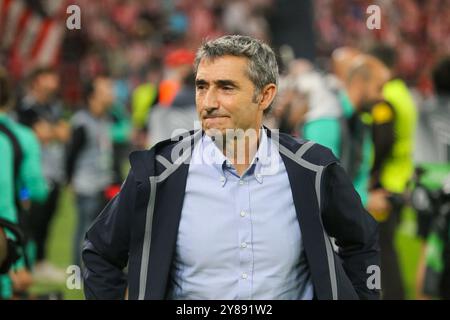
(139,227)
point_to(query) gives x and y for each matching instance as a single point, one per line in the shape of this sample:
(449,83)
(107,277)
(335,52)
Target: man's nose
(210,102)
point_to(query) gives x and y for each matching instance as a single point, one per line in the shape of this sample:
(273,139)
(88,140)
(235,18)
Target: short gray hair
(262,63)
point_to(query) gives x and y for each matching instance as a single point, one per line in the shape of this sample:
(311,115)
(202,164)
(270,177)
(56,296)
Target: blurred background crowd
(75,101)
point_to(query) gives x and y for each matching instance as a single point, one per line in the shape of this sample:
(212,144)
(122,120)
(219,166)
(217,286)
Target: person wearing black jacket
(168,211)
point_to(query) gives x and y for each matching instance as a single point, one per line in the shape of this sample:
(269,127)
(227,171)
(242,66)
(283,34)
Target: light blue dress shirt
(239,237)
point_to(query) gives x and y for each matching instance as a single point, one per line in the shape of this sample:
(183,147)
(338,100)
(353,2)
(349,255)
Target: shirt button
(243,245)
(241,182)
(243,213)
(244,276)
(222,179)
(258,175)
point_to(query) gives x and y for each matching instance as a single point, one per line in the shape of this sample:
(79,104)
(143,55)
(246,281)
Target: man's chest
(237,220)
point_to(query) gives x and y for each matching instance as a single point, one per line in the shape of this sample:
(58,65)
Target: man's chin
(214,131)
(212,127)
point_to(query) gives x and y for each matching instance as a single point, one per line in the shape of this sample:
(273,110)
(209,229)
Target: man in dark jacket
(235,210)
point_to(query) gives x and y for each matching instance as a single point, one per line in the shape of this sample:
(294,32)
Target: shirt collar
(213,156)
(263,156)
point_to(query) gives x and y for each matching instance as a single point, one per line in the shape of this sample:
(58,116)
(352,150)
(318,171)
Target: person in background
(89,161)
(7,185)
(121,135)
(164,122)
(290,106)
(434,119)
(341,61)
(22,181)
(143,98)
(177,66)
(366,78)
(341,123)
(394,127)
(40,110)
(177,75)
(322,122)
(432,146)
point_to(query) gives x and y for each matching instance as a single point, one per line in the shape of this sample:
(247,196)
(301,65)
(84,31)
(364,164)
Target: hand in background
(379,205)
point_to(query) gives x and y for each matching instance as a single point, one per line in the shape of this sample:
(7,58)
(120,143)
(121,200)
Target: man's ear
(267,95)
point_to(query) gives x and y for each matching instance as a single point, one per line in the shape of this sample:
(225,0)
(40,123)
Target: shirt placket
(245,236)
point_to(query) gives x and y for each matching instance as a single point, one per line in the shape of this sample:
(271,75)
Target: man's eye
(200,87)
(228,88)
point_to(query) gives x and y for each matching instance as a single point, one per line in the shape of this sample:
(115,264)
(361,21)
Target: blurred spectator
(7,185)
(143,98)
(120,132)
(177,84)
(324,111)
(89,160)
(337,114)
(433,122)
(394,125)
(365,80)
(22,182)
(165,123)
(290,106)
(342,59)
(433,148)
(178,65)
(39,110)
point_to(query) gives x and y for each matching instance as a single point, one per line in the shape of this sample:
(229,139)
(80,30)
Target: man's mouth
(214,117)
(213,121)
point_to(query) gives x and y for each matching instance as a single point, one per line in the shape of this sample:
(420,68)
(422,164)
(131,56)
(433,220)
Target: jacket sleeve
(354,229)
(106,247)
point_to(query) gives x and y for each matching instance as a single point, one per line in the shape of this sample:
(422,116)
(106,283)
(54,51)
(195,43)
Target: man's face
(224,95)
(48,84)
(104,95)
(105,91)
(374,87)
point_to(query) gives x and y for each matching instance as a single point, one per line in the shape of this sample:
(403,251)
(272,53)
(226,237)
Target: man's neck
(241,150)
(39,98)
(93,107)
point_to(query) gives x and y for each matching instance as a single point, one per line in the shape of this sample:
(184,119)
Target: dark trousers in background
(391,275)
(40,218)
(445,281)
(88,207)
